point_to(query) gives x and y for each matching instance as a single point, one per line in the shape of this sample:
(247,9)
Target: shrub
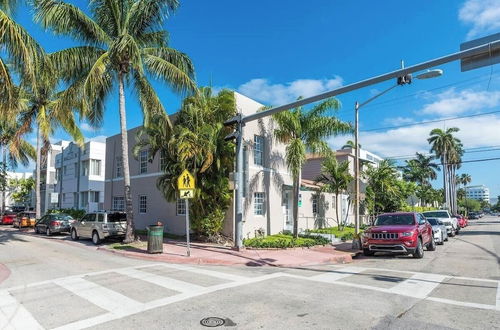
(284,241)
(75,213)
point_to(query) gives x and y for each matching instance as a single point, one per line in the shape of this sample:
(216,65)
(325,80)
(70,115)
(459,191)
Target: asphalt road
(49,283)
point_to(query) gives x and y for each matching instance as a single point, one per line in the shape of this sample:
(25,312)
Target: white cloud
(482,15)
(474,132)
(86,127)
(99,138)
(277,94)
(399,121)
(452,102)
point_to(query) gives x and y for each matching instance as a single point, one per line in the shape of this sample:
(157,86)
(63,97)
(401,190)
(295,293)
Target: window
(94,196)
(118,203)
(75,167)
(119,167)
(84,201)
(58,174)
(95,167)
(315,204)
(258,203)
(143,160)
(85,168)
(258,150)
(75,200)
(64,197)
(143,204)
(163,160)
(65,170)
(100,217)
(181,206)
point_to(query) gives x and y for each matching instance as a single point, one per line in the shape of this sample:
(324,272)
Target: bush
(346,234)
(284,241)
(75,213)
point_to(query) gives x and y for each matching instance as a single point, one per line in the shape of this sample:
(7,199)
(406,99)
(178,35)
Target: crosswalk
(112,294)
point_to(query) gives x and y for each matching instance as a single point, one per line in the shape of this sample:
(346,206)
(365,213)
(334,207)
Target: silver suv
(99,225)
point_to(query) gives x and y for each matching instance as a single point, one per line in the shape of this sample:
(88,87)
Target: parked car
(54,223)
(473,215)
(8,219)
(399,233)
(450,222)
(100,225)
(25,219)
(439,230)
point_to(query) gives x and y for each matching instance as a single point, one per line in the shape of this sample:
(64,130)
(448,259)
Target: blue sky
(275,51)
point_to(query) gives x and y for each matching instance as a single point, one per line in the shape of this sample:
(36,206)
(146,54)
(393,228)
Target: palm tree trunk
(296,192)
(129,235)
(337,208)
(4,172)
(38,174)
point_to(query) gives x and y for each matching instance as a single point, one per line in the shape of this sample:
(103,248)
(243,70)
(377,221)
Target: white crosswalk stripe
(163,281)
(13,315)
(98,295)
(419,285)
(337,274)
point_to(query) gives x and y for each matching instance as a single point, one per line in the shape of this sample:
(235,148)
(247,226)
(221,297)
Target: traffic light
(231,123)
(406,79)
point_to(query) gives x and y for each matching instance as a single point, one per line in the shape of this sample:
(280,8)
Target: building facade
(80,176)
(49,197)
(480,193)
(267,190)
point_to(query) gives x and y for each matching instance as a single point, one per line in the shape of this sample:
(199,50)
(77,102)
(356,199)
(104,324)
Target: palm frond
(146,15)
(178,80)
(72,63)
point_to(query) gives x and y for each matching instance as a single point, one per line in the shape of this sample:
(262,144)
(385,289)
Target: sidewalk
(202,253)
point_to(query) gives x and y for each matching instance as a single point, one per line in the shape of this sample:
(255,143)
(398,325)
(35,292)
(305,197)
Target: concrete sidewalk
(202,253)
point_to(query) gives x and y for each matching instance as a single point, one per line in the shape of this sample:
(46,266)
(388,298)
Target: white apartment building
(10,190)
(480,193)
(267,191)
(49,195)
(80,176)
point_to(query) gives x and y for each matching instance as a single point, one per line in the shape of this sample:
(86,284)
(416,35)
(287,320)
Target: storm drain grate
(212,322)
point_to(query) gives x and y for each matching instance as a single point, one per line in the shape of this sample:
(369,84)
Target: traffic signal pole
(241,120)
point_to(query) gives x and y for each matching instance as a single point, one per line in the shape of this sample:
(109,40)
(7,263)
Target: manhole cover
(212,322)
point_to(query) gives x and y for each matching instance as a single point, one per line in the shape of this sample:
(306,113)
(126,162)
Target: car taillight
(55,223)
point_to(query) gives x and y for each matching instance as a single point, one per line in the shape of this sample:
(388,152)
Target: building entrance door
(287,210)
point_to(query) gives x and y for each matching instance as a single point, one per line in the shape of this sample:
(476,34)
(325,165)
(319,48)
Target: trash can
(155,239)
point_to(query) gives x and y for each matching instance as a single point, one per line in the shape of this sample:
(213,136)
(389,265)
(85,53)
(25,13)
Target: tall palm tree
(124,43)
(304,131)
(48,109)
(335,178)
(448,148)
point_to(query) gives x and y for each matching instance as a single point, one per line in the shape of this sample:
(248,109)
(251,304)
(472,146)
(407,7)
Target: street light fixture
(400,81)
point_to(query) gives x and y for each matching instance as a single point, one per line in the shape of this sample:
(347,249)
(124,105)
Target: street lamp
(401,81)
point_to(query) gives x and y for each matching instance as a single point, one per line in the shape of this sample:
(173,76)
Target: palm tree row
(122,44)
(449,150)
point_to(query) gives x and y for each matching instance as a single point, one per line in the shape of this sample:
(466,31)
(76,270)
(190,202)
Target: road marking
(418,286)
(221,275)
(98,295)
(462,303)
(333,276)
(87,323)
(13,315)
(163,281)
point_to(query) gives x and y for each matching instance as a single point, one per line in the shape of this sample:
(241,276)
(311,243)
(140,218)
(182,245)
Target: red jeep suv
(401,233)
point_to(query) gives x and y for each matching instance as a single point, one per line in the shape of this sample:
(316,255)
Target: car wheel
(74,235)
(95,238)
(48,232)
(37,231)
(419,252)
(432,245)
(368,253)
(452,233)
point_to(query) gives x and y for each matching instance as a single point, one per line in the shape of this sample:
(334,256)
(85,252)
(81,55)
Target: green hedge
(75,213)
(284,241)
(346,234)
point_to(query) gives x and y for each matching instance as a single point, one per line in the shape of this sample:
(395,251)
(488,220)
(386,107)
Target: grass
(129,246)
(346,234)
(284,241)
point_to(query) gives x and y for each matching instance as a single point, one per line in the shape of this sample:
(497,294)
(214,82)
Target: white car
(99,225)
(450,222)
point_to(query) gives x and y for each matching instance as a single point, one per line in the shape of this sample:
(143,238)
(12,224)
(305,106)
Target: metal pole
(239,186)
(356,169)
(187,227)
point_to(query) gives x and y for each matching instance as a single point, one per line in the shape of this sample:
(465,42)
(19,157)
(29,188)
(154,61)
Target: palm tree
(335,178)
(449,149)
(196,143)
(303,131)
(420,170)
(124,43)
(48,109)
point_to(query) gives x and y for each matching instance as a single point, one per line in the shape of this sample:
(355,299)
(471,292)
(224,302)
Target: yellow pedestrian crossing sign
(186,193)
(185,181)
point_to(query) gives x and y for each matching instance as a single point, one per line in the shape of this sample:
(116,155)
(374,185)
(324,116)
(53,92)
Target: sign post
(186,185)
